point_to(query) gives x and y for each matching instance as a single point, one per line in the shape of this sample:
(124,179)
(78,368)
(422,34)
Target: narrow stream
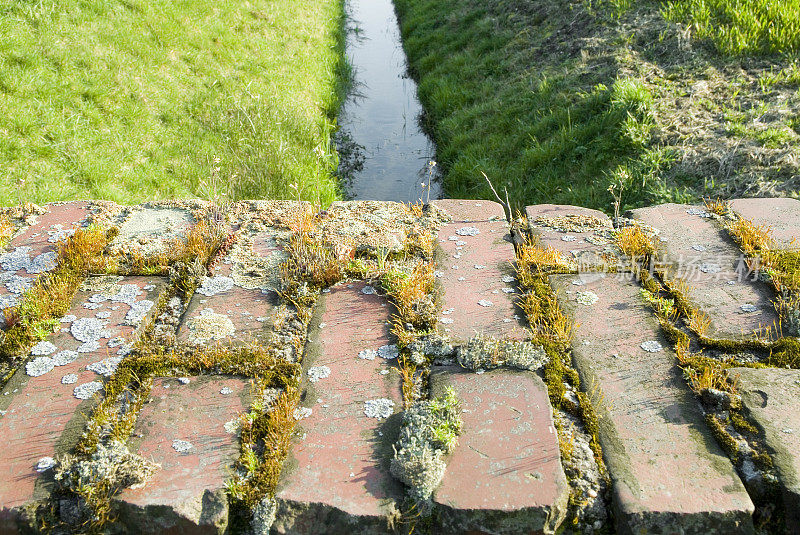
(379,120)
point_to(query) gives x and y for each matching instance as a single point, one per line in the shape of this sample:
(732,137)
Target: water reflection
(381,113)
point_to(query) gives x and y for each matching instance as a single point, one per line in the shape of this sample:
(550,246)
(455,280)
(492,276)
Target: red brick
(506,469)
(66,217)
(41,416)
(337,480)
(250,311)
(782,215)
(573,245)
(668,473)
(491,249)
(719,294)
(187,495)
(772,398)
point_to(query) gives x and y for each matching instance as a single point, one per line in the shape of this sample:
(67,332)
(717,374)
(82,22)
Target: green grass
(547,127)
(130,100)
(741,27)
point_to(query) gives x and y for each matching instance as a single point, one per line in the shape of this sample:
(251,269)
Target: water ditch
(384,152)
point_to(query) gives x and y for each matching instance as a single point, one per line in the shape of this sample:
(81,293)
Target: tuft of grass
(6,231)
(270,434)
(129,100)
(717,206)
(741,27)
(635,243)
(414,294)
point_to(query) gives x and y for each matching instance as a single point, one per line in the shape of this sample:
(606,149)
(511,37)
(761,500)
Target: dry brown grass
(717,206)
(6,231)
(271,434)
(407,370)
(414,294)
(753,239)
(634,242)
(699,322)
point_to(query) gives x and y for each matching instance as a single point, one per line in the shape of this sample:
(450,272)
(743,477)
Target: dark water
(381,114)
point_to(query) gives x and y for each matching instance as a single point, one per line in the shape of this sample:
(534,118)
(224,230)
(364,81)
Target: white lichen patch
(69,379)
(302,412)
(379,408)
(62,358)
(250,270)
(388,352)
(87,329)
(45,463)
(749,308)
(698,212)
(651,346)
(698,247)
(485,303)
(39,366)
(429,432)
(105,367)
(368,290)
(586,298)
(138,311)
(184,380)
(226,390)
(367,354)
(20,259)
(508,290)
(43,348)
(215,285)
(110,464)
(468,231)
(87,390)
(710,268)
(479,266)
(233,426)
(209,325)
(315,373)
(181,446)
(485,352)
(88,347)
(59,233)
(569,238)
(16,284)
(446,321)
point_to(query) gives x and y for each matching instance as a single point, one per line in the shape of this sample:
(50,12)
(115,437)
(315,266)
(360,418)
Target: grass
(129,100)
(741,27)
(499,101)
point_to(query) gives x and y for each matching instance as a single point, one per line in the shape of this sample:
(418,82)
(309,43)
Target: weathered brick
(668,473)
(782,215)
(337,478)
(583,239)
(772,397)
(476,272)
(151,228)
(41,416)
(36,249)
(187,495)
(505,474)
(698,251)
(238,303)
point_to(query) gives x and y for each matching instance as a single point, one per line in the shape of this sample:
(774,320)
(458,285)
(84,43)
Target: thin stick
(506,207)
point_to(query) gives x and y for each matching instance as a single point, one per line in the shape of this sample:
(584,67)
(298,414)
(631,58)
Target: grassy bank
(559,101)
(130,100)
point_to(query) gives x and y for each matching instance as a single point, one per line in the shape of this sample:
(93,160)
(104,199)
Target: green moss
(725,440)
(742,425)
